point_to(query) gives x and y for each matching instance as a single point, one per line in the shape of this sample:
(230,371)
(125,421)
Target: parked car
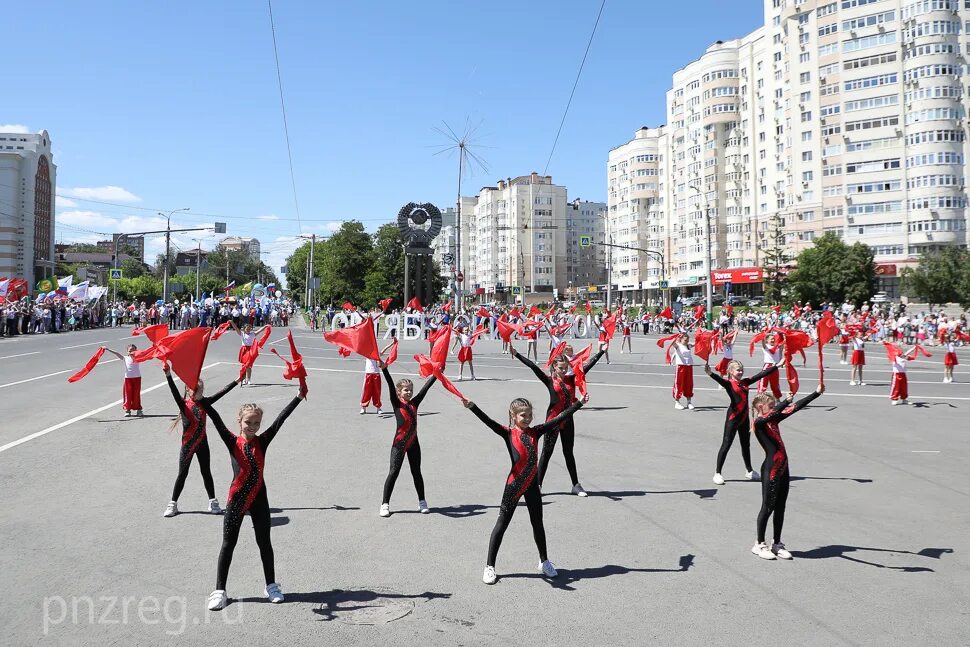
(735,301)
(717,299)
(880,297)
(692,301)
(756,302)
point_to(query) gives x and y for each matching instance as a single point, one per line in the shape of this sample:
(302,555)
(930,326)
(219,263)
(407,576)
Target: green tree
(834,271)
(775,258)
(343,263)
(130,268)
(145,288)
(941,277)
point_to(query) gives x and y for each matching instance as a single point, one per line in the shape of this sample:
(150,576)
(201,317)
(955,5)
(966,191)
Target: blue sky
(158,106)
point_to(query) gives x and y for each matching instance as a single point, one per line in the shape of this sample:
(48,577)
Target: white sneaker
(690,405)
(380,412)
(843,362)
(547,569)
(718,479)
(852,382)
(862,383)
(423,507)
(579,491)
(762,551)
(489,575)
(779,550)
(171,509)
(385,510)
(897,402)
(214,506)
(752,475)
(128,413)
(678,406)
(363,411)
(904,402)
(274,593)
(217,600)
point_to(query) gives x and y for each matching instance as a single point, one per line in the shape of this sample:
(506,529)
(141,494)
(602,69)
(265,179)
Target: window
(939,69)
(933,114)
(848,4)
(806,156)
(873,187)
(831,109)
(805,77)
(807,116)
(866,42)
(871,82)
(872,165)
(834,149)
(871,144)
(874,102)
(806,135)
(828,50)
(930,159)
(868,21)
(871,123)
(831,28)
(866,61)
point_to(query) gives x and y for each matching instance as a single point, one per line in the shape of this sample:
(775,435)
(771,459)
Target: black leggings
(732,428)
(774,497)
(533,499)
(185,462)
(397,461)
(568,433)
(259,512)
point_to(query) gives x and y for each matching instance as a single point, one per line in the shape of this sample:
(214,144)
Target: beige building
(846,117)
(236,243)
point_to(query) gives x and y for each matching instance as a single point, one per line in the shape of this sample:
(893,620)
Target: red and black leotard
(405,438)
(737,420)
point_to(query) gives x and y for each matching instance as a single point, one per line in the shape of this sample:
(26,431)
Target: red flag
(704,343)
(579,375)
(220,330)
(87,367)
(561,329)
(295,367)
(428,367)
(572,310)
(534,311)
(667,313)
(827,329)
(505,330)
(185,353)
(343,352)
(609,327)
(699,312)
(482,312)
(264,336)
(392,354)
(514,312)
(439,351)
(922,350)
(358,339)
(385,304)
(347,305)
(892,351)
(589,308)
(415,304)
(154,333)
(754,340)
(555,352)
(551,312)
(446,307)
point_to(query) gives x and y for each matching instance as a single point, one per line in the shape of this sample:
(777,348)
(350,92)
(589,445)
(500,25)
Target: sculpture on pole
(419,224)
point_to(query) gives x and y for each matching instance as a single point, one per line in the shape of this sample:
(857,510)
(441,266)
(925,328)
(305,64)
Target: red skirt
(951,360)
(131,394)
(900,387)
(858,358)
(721,367)
(243,350)
(465,354)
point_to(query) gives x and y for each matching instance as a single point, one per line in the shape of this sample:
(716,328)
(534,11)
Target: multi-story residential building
(585,265)
(135,244)
(846,116)
(445,245)
(27,180)
(249,245)
(515,237)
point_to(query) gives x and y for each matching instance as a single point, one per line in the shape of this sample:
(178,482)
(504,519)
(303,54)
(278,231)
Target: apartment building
(250,246)
(846,117)
(585,264)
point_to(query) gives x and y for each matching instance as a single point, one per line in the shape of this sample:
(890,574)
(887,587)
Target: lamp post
(168,250)
(707,252)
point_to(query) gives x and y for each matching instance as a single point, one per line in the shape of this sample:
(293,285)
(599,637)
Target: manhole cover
(365,606)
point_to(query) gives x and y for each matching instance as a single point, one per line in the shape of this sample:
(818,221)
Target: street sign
(727,287)
(449,259)
(460,277)
(664,285)
(220,227)
(591,288)
(283,270)
(516,289)
(114,275)
(585,241)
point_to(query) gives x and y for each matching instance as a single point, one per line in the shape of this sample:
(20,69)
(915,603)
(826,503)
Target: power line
(286,130)
(575,83)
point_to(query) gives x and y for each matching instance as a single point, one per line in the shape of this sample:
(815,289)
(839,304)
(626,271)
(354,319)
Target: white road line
(36,352)
(61,425)
(94,343)
(41,377)
(925,451)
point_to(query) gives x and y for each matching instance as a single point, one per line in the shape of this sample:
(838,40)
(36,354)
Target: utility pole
(609,265)
(168,249)
(198,268)
(313,244)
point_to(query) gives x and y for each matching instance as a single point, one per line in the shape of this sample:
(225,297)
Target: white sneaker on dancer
(274,593)
(690,405)
(217,600)
(779,550)
(423,507)
(579,491)
(679,406)
(897,402)
(718,479)
(380,411)
(904,401)
(128,413)
(752,475)
(862,383)
(761,550)
(385,510)
(852,382)
(547,569)
(214,506)
(489,575)
(363,411)
(171,509)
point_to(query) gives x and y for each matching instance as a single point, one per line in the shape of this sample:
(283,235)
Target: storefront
(739,281)
(887,280)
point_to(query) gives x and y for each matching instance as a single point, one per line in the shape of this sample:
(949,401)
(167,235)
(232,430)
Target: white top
(465,340)
(682,356)
(728,351)
(771,356)
(371,366)
(899,365)
(248,338)
(858,344)
(951,347)
(132,368)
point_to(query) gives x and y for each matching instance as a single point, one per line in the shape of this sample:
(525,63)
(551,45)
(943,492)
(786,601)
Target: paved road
(877,516)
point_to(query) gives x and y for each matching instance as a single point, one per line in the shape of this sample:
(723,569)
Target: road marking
(61,425)
(36,352)
(925,451)
(94,343)
(41,377)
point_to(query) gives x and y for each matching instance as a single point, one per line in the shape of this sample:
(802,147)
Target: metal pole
(707,259)
(609,264)
(198,267)
(168,242)
(461,159)
(313,244)
(407,275)
(117,241)
(532,238)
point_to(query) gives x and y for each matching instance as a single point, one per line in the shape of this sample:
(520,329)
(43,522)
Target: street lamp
(168,248)
(707,253)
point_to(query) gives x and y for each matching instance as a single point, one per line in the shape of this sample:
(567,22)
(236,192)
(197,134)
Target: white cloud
(86,219)
(268,217)
(18,129)
(65,203)
(104,193)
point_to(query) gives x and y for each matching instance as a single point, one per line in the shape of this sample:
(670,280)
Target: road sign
(585,241)
(449,259)
(727,287)
(516,289)
(114,275)
(220,227)
(460,277)
(664,285)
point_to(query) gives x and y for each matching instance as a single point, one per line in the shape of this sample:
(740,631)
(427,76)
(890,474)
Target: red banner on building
(738,275)
(885,269)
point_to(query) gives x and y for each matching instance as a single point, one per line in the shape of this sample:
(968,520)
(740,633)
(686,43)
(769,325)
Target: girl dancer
(465,341)
(520,441)
(737,421)
(684,375)
(372,386)
(727,343)
(626,341)
(247,493)
(775,476)
(858,358)
(843,344)
(194,441)
(248,337)
(405,438)
(773,351)
(949,360)
(532,339)
(131,390)
(899,391)
(562,394)
(598,322)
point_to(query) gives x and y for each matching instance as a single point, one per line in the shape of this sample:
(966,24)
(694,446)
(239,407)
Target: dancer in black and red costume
(737,421)
(405,438)
(775,477)
(194,441)
(248,493)
(562,393)
(520,440)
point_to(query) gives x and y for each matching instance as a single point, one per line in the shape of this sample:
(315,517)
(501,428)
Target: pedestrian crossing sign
(585,241)
(114,274)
